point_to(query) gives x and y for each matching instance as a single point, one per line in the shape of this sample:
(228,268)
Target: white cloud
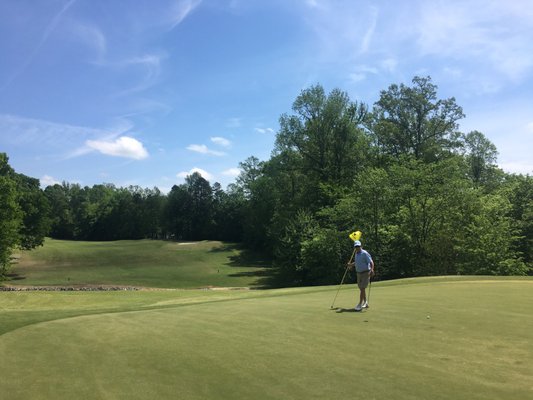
(264,130)
(232,172)
(221,141)
(47,180)
(518,167)
(206,175)
(203,149)
(124,146)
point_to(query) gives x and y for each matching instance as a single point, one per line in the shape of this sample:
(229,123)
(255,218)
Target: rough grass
(148,263)
(272,344)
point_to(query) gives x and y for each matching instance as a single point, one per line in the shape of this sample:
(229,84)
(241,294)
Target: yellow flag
(355,235)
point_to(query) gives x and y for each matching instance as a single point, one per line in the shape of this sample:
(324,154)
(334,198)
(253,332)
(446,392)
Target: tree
(481,156)
(35,210)
(251,170)
(21,201)
(228,213)
(60,214)
(290,261)
(487,246)
(411,121)
(152,213)
(189,209)
(326,140)
(176,213)
(519,190)
(10,218)
(201,197)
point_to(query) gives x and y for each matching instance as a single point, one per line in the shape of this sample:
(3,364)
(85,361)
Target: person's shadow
(342,310)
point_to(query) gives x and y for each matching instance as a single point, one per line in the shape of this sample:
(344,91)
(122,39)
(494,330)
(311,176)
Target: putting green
(277,344)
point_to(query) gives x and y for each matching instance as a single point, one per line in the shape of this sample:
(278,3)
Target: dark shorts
(363,279)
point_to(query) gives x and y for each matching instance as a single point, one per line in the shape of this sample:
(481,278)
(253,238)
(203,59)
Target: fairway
(146,263)
(272,344)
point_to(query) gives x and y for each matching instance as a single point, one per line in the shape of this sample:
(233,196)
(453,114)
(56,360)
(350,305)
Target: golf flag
(355,235)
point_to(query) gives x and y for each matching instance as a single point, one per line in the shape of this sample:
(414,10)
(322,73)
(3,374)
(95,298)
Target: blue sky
(144,92)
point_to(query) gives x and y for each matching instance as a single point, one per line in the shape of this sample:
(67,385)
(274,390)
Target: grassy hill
(149,263)
(444,338)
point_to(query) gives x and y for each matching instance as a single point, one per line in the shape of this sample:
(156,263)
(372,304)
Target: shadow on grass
(14,277)
(260,266)
(342,310)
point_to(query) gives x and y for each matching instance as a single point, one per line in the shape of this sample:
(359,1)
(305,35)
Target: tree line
(429,199)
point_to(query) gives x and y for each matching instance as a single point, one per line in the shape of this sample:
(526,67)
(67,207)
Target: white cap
(356,243)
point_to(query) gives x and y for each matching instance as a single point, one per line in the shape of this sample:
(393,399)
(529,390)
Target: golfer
(364,266)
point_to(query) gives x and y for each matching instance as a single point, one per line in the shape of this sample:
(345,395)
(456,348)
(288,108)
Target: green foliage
(23,213)
(289,258)
(487,246)
(519,190)
(324,256)
(323,141)
(191,211)
(418,189)
(480,155)
(10,222)
(412,121)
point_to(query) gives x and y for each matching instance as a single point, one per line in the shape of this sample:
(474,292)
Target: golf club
(342,281)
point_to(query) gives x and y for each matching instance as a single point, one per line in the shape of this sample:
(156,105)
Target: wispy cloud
(389,64)
(48,30)
(64,138)
(361,72)
(221,141)
(92,37)
(203,149)
(149,68)
(180,10)
(474,32)
(234,122)
(265,130)
(29,132)
(367,38)
(341,33)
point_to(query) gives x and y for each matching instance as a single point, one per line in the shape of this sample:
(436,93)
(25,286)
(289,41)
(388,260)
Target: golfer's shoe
(358,307)
(365,305)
